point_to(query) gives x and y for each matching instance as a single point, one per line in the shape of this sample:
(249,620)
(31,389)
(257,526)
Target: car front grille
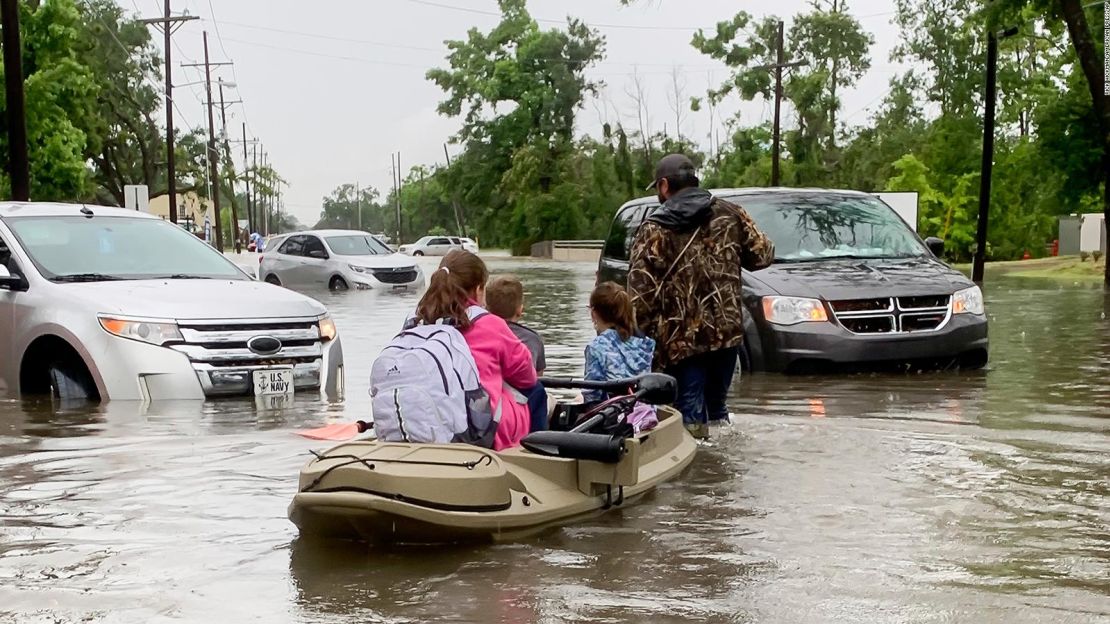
(893,315)
(219,353)
(402,276)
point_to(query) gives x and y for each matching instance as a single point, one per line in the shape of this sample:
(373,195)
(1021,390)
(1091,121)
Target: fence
(569,250)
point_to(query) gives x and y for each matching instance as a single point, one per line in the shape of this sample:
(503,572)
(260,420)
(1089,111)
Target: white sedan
(341,259)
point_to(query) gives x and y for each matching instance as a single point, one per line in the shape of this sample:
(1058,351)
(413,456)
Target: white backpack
(424,387)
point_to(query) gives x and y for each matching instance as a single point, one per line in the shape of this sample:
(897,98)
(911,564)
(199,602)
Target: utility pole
(168,25)
(358,202)
(18,164)
(278,209)
(979,261)
(247,180)
(266,200)
(460,218)
(227,154)
(779,65)
(395,164)
(255,192)
(213,153)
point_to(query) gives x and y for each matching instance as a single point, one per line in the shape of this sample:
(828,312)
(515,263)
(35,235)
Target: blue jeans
(703,382)
(537,407)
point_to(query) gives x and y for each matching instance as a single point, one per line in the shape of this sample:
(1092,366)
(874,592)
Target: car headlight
(968,301)
(358,269)
(327,329)
(793,310)
(155,332)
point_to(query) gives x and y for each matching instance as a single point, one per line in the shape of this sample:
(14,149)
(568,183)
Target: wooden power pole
(168,24)
(213,152)
(19,170)
(779,65)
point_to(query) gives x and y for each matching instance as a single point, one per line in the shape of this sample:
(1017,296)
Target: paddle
(339,431)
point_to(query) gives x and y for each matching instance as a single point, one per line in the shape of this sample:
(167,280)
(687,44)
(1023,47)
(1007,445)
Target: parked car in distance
(852,285)
(339,259)
(432,246)
(469,245)
(108,303)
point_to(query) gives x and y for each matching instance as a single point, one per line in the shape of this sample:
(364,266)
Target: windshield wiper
(838,257)
(86,277)
(180,276)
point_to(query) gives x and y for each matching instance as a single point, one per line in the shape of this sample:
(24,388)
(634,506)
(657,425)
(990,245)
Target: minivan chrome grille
(893,315)
(219,353)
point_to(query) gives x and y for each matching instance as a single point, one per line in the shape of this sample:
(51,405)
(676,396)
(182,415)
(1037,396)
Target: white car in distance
(433,246)
(340,259)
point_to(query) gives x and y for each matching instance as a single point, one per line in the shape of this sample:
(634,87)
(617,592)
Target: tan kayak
(440,493)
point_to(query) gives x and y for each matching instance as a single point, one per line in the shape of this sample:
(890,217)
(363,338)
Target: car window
(439,241)
(356,245)
(314,244)
(103,247)
(456,241)
(622,232)
(819,226)
(6,256)
(293,247)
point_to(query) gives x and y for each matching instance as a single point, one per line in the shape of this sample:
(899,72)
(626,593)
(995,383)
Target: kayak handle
(651,388)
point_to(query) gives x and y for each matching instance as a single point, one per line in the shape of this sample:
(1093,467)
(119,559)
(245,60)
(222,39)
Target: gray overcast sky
(333,87)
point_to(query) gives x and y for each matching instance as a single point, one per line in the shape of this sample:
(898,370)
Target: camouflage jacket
(684,274)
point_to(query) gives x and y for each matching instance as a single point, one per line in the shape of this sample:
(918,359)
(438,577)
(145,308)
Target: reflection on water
(921,498)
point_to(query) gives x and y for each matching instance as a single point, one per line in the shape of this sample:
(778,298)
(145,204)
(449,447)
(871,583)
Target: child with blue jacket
(619,351)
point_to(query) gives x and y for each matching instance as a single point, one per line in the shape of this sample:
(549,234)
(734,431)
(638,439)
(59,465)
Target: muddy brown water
(940,497)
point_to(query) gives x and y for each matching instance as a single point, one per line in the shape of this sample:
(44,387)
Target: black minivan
(852,286)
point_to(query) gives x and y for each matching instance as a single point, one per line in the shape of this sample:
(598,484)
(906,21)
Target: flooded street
(941,497)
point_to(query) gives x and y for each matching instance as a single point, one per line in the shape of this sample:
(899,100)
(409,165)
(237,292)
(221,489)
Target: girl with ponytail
(619,351)
(504,364)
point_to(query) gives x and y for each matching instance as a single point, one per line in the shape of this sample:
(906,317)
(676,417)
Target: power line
(451,7)
(324,55)
(425,49)
(334,38)
(216,24)
(147,79)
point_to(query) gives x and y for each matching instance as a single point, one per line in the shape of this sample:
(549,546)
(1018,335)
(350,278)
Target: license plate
(273,402)
(273,382)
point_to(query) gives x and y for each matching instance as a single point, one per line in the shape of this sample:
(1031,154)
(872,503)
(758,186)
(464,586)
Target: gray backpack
(425,388)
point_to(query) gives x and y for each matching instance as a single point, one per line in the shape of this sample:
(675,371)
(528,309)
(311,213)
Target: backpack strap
(475,312)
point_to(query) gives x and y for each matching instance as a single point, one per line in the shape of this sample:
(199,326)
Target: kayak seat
(599,447)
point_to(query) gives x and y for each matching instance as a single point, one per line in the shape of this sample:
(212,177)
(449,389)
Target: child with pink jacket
(504,363)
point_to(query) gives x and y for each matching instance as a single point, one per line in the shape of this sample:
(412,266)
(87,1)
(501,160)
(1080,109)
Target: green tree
(60,100)
(518,89)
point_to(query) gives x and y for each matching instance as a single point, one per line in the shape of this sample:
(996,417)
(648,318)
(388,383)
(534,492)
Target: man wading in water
(684,278)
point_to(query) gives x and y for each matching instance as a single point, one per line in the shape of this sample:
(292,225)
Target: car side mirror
(935,245)
(318,253)
(9,281)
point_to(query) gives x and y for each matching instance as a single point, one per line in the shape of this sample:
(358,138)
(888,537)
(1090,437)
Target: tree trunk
(1087,52)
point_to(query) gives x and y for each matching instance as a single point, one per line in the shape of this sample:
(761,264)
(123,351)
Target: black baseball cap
(672,165)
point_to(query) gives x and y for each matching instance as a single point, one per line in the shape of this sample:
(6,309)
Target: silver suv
(106,303)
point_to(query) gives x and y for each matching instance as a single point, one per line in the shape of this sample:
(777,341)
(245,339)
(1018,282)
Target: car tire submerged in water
(272,279)
(337,283)
(418,253)
(69,382)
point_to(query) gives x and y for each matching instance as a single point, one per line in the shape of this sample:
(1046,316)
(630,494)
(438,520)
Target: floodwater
(941,497)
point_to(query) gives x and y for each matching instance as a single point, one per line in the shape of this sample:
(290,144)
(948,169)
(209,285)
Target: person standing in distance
(684,278)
